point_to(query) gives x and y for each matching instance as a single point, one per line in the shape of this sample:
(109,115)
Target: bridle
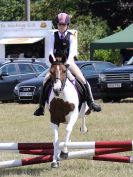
(56,76)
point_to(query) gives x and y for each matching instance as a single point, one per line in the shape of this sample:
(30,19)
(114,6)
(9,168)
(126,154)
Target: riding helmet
(62,18)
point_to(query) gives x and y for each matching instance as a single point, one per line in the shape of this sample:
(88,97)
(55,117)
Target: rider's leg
(43,97)
(70,76)
(89,98)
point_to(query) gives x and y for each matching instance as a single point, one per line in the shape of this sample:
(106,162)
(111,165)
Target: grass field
(17,124)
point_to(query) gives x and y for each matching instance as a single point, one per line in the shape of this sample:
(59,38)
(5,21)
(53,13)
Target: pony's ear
(51,59)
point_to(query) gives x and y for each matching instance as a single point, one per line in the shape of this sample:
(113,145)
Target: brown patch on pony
(59,109)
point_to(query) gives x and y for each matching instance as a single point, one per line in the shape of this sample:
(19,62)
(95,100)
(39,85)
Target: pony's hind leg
(83,128)
(55,163)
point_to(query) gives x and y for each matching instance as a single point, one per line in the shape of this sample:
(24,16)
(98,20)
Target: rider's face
(62,28)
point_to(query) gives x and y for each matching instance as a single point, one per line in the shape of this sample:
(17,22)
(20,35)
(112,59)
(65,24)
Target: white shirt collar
(64,34)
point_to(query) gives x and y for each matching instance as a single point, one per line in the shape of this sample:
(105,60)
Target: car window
(44,73)
(38,68)
(25,68)
(130,61)
(102,66)
(10,69)
(88,70)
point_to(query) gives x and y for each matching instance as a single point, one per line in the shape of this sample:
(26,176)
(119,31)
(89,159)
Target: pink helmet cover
(63,18)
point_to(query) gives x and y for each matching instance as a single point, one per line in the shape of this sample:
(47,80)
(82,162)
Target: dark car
(116,84)
(29,91)
(91,71)
(13,72)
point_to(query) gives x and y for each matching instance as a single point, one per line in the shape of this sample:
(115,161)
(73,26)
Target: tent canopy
(122,39)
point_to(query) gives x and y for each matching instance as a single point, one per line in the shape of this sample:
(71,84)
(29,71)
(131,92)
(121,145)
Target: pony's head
(58,74)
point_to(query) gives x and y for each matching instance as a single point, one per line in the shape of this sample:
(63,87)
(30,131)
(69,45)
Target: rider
(63,42)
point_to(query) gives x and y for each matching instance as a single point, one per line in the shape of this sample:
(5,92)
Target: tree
(89,29)
(117,13)
(11,10)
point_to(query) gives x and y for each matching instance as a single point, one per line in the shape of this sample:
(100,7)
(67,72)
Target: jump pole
(26,161)
(114,158)
(32,151)
(71,155)
(72,145)
(102,151)
(25,146)
(96,151)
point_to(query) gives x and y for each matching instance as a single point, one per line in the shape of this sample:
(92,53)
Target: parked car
(29,91)
(13,72)
(91,71)
(116,83)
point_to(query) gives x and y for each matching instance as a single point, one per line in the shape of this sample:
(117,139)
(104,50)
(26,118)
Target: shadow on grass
(30,171)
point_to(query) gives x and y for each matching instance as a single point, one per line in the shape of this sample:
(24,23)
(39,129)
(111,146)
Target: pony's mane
(57,63)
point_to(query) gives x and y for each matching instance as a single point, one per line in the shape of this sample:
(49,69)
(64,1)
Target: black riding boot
(40,111)
(43,98)
(93,106)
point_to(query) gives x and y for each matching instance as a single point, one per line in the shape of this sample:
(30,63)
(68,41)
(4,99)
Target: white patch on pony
(57,85)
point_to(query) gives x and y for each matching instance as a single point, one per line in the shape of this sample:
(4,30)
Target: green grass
(17,124)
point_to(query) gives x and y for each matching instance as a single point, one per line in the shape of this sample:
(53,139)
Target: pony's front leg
(64,151)
(69,127)
(55,163)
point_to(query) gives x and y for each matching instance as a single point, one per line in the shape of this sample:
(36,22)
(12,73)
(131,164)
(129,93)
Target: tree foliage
(89,29)
(117,13)
(11,10)
(93,19)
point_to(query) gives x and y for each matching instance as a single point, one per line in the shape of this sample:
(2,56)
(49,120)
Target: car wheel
(115,100)
(4,101)
(106,100)
(24,102)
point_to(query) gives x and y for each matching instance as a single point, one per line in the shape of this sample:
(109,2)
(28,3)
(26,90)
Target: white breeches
(77,72)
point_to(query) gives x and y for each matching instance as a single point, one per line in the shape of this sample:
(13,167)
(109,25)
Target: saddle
(81,90)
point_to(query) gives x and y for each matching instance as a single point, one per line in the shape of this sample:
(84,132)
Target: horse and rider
(60,90)
(62,44)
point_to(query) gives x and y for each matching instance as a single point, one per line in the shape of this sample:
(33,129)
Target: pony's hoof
(55,165)
(64,155)
(85,130)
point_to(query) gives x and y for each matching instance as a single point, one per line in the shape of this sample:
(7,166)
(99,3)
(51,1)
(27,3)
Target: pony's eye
(64,71)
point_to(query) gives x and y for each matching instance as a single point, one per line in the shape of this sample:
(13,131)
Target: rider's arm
(72,50)
(51,46)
